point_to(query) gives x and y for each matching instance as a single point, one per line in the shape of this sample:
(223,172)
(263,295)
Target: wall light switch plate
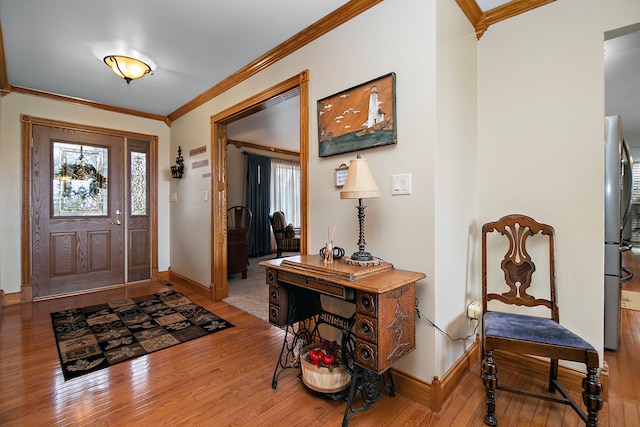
(400,184)
(173,197)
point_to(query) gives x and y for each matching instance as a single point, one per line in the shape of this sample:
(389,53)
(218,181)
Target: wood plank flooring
(225,380)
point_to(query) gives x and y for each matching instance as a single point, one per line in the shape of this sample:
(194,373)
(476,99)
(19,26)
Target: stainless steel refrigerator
(618,191)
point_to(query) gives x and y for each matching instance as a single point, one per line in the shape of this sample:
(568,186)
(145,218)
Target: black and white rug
(98,336)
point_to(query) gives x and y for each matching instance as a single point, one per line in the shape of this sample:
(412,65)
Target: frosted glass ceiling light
(126,67)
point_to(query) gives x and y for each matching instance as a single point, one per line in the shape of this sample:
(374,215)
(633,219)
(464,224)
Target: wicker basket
(321,379)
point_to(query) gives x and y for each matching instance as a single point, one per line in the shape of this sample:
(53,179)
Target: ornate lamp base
(362,263)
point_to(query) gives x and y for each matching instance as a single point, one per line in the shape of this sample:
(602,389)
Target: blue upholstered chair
(529,334)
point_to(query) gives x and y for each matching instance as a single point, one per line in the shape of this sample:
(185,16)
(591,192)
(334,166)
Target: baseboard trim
(435,394)
(569,378)
(453,377)
(162,275)
(25,295)
(11,298)
(412,388)
(196,287)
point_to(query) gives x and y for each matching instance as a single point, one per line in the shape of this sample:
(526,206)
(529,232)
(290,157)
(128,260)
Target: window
(138,179)
(285,189)
(79,180)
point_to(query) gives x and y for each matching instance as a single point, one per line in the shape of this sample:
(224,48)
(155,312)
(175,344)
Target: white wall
(541,109)
(191,214)
(399,229)
(456,187)
(14,105)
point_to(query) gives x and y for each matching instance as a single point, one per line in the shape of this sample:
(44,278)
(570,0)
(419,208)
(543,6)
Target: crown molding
(482,20)
(87,103)
(479,19)
(336,18)
(240,144)
(5,87)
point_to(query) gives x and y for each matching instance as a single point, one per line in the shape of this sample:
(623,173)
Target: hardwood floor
(225,380)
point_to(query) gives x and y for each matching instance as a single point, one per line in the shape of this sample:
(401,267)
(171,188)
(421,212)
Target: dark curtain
(257,200)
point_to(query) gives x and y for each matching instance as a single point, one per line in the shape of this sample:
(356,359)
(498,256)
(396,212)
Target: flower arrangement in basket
(322,368)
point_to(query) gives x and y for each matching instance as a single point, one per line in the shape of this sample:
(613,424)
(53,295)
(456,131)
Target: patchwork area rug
(630,300)
(99,336)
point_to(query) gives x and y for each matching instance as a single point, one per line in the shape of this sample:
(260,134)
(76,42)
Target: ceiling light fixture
(126,67)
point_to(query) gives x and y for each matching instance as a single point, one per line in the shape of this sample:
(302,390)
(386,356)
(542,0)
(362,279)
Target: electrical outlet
(474,310)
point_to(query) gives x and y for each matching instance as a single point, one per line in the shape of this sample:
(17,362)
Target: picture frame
(340,174)
(358,118)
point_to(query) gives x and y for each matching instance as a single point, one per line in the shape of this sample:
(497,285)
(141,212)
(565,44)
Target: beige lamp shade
(359,183)
(126,67)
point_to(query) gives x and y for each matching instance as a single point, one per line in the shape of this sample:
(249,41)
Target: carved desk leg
(365,389)
(291,346)
(302,308)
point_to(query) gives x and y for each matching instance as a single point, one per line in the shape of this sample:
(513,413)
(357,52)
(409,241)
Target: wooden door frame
(298,84)
(27,122)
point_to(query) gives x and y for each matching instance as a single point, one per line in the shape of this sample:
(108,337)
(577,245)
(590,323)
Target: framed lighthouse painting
(358,118)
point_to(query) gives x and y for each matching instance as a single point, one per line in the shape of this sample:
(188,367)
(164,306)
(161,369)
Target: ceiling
(57,47)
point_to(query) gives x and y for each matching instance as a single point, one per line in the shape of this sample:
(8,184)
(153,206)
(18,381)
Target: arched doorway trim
(296,85)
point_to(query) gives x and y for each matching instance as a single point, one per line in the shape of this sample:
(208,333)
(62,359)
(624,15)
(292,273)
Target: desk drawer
(278,302)
(366,355)
(317,285)
(367,328)
(277,296)
(367,303)
(272,277)
(277,315)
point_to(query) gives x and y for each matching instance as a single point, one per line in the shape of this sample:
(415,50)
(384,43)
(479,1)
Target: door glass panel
(79,179)
(138,183)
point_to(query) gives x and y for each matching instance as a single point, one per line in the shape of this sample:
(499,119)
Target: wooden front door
(78,211)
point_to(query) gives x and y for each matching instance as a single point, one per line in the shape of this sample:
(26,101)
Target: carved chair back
(239,218)
(517,264)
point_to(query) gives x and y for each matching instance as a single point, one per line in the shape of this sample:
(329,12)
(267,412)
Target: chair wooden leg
(553,375)
(592,396)
(490,380)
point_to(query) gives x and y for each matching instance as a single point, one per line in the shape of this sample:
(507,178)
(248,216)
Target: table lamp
(360,185)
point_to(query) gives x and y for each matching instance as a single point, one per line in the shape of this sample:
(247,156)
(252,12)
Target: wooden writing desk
(383,323)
